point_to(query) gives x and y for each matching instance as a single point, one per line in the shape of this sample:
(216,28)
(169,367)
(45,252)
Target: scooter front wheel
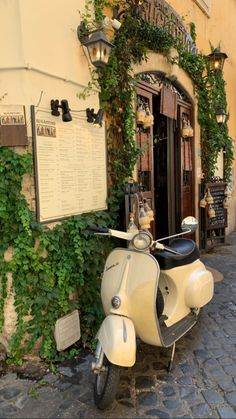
(106,384)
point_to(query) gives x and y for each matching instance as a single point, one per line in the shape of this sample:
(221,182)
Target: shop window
(205,5)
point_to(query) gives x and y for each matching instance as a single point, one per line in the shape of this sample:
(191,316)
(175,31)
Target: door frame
(184,106)
(148,94)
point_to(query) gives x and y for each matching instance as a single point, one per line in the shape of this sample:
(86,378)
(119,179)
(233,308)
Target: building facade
(43,60)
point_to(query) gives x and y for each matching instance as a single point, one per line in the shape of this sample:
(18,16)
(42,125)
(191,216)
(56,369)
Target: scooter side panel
(118,340)
(190,286)
(200,288)
(133,276)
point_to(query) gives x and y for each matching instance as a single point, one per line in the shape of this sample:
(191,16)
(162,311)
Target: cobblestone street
(202,383)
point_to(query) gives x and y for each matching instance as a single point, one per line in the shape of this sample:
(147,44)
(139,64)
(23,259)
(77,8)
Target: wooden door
(186,166)
(144,139)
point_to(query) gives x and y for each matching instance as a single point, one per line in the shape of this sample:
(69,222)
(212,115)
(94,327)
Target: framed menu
(70,165)
(218,192)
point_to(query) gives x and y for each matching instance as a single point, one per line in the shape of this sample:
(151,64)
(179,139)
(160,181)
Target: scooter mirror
(189,224)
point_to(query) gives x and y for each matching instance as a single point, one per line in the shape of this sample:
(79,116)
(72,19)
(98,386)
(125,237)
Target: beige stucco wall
(41,53)
(41,59)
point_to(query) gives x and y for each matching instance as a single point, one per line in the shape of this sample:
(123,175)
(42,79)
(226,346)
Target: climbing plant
(211,95)
(118,82)
(48,266)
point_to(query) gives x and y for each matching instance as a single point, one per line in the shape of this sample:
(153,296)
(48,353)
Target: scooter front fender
(118,340)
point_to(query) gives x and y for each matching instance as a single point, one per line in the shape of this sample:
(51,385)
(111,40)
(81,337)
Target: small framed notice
(67,330)
(70,166)
(13,131)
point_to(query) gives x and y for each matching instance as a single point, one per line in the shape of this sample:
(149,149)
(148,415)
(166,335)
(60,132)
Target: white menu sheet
(71,166)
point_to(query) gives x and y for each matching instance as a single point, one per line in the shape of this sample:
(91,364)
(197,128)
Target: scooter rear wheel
(106,385)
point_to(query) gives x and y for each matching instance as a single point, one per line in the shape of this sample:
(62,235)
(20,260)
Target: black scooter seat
(189,253)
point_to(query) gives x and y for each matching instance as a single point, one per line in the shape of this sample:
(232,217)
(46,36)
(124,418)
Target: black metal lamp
(98,46)
(66,115)
(98,120)
(95,118)
(220,116)
(217,59)
(55,105)
(92,117)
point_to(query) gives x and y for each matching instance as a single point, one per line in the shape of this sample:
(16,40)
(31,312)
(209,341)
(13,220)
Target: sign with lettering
(13,131)
(217,191)
(168,103)
(70,166)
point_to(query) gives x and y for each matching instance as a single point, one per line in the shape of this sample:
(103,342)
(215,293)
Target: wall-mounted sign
(217,190)
(168,103)
(13,131)
(70,166)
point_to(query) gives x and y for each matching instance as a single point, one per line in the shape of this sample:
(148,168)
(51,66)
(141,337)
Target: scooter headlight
(142,240)
(116,302)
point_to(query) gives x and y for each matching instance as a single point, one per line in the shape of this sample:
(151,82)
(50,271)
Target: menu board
(217,190)
(70,166)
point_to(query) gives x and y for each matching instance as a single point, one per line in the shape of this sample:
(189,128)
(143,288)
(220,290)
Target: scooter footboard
(118,340)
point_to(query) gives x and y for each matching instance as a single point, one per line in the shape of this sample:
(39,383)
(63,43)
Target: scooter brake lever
(102,234)
(172,251)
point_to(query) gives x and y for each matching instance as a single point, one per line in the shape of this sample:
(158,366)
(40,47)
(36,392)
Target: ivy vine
(117,82)
(49,265)
(211,95)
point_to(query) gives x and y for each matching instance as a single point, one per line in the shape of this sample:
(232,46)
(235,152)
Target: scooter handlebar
(110,232)
(101,230)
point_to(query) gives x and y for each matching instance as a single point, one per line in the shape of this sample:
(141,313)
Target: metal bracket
(98,366)
(169,368)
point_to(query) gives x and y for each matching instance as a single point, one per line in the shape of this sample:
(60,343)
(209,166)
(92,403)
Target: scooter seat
(189,253)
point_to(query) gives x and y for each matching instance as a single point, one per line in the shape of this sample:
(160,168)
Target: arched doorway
(166,169)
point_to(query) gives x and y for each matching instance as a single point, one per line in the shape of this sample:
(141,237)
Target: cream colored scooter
(152,296)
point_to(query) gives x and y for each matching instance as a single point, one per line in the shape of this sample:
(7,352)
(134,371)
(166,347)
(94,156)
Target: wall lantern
(98,46)
(220,116)
(217,59)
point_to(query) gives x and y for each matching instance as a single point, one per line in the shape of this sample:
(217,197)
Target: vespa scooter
(155,296)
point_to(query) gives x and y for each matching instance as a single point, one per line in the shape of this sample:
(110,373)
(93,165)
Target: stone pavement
(202,383)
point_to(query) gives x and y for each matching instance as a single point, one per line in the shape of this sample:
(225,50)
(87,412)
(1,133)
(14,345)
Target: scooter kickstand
(169,368)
